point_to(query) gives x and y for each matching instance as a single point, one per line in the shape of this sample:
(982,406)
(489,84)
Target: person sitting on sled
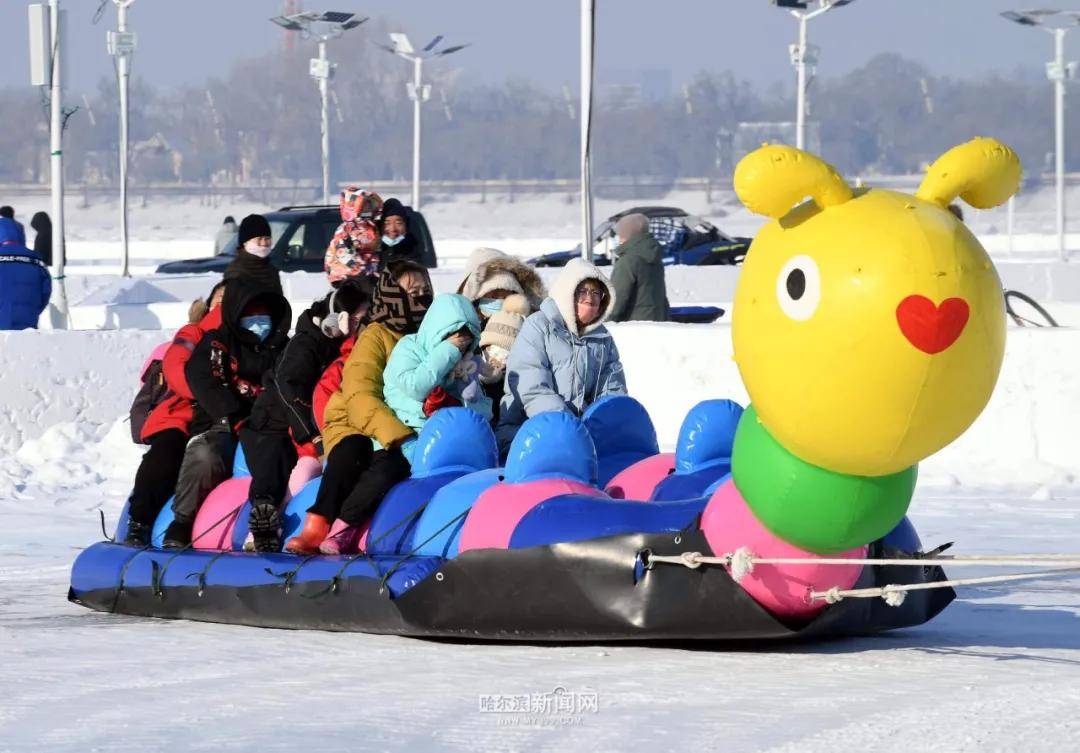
(167,424)
(226,374)
(423,373)
(564,358)
(362,436)
(281,419)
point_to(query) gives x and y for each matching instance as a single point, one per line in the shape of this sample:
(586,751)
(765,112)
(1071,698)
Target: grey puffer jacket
(554,367)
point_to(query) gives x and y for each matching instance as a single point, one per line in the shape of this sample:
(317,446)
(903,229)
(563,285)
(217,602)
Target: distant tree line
(261,122)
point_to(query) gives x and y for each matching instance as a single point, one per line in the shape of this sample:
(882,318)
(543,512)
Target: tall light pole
(803,54)
(323,27)
(588,21)
(419,92)
(121,45)
(1057,23)
(46,34)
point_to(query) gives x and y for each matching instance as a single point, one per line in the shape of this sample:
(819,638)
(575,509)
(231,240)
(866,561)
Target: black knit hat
(253,226)
(353,293)
(393,208)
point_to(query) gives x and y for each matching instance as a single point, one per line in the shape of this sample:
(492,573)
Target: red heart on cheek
(932,328)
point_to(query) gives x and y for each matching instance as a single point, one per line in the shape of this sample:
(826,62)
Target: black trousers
(271,457)
(356,478)
(155,481)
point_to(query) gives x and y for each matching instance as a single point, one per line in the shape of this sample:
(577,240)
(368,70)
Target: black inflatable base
(592,591)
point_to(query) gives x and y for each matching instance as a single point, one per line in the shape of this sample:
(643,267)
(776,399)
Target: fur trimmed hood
(489,269)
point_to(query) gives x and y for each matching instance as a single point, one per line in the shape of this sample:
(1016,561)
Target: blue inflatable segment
(239,466)
(122,524)
(454,439)
(707,435)
(101,565)
(292,517)
(622,433)
(438,523)
(241,527)
(552,445)
(904,537)
(393,525)
(163,521)
(691,485)
(575,517)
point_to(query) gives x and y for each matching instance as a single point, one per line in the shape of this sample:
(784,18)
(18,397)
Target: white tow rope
(742,562)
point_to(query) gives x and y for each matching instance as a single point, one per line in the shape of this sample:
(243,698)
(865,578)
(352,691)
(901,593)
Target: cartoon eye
(798,288)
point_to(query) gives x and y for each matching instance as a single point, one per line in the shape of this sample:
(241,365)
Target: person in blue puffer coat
(25,285)
(564,359)
(427,370)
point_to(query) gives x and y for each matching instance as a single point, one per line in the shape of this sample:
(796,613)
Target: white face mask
(255,249)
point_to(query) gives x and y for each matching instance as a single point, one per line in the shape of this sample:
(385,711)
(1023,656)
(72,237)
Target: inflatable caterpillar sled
(869,330)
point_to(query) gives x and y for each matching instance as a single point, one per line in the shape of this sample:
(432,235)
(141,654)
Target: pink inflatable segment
(639,480)
(497,511)
(784,590)
(215,520)
(306,469)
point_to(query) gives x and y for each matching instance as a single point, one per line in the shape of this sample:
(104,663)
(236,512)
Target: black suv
(300,236)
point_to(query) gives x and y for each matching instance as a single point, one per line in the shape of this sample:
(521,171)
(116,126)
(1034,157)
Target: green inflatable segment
(813,508)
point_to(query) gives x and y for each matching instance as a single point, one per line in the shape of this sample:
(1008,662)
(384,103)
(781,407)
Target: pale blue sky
(538,39)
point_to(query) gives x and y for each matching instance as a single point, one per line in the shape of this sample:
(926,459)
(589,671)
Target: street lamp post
(588,21)
(121,45)
(803,54)
(323,27)
(1058,23)
(418,91)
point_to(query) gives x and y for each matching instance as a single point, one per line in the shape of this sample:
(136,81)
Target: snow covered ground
(999,670)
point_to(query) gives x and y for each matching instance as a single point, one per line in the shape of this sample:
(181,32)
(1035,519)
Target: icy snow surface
(999,670)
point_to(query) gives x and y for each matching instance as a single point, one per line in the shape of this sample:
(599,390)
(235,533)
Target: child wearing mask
(226,374)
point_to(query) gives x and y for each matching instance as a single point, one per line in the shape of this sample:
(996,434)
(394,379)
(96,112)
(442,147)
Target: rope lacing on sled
(742,562)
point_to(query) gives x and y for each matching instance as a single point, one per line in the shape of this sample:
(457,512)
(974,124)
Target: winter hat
(352,294)
(393,208)
(499,280)
(252,226)
(631,226)
(359,205)
(503,326)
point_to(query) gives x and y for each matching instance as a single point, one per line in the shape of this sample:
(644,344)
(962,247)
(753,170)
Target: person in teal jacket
(437,356)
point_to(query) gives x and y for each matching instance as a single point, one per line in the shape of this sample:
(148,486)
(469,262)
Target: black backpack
(153,391)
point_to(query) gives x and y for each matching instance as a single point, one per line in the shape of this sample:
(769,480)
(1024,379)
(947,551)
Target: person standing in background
(225,235)
(638,276)
(7,212)
(25,285)
(42,225)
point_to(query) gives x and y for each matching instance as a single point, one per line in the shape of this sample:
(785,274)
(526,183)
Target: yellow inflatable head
(869,325)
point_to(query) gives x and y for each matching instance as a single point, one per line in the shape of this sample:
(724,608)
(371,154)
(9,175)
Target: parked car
(300,236)
(686,239)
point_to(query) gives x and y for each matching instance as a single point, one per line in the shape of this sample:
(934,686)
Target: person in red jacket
(167,427)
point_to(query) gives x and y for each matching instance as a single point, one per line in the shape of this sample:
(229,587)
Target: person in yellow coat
(362,437)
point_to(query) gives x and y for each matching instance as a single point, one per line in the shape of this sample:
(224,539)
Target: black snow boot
(178,534)
(264,524)
(138,534)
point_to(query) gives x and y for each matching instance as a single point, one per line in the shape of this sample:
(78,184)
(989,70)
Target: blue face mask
(489,306)
(392,241)
(258,325)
